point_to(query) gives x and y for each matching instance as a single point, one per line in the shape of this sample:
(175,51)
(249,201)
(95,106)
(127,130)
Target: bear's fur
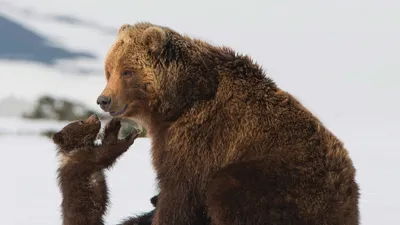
(229,146)
(80,174)
(142,219)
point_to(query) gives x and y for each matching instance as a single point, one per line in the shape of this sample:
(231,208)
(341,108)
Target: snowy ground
(30,195)
(340,58)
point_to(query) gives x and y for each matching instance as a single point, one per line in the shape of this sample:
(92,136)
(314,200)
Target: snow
(340,58)
(28,82)
(30,194)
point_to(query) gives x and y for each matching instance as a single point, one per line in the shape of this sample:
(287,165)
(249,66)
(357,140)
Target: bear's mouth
(121,111)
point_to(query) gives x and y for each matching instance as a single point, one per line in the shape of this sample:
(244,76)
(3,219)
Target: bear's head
(78,134)
(154,72)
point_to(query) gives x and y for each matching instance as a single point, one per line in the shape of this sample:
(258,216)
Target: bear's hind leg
(276,192)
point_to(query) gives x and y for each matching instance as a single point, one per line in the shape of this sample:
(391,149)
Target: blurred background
(339,58)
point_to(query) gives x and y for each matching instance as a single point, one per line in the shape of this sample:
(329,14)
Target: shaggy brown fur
(228,144)
(80,175)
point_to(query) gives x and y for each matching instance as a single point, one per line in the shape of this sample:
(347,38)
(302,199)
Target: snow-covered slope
(340,58)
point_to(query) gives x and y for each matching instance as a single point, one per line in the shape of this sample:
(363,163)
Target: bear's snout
(104,102)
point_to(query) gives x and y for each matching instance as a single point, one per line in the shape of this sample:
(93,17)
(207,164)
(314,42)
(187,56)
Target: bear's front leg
(178,207)
(112,147)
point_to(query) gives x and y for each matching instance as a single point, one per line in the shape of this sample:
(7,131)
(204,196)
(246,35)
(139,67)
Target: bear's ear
(58,138)
(155,38)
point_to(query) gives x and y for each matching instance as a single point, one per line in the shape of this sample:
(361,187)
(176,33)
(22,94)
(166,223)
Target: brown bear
(228,145)
(80,174)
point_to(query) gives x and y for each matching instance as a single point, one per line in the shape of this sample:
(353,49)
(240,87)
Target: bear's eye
(127,73)
(80,122)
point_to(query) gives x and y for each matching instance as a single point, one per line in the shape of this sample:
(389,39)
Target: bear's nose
(104,102)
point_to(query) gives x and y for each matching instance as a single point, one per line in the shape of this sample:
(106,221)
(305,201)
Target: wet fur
(229,146)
